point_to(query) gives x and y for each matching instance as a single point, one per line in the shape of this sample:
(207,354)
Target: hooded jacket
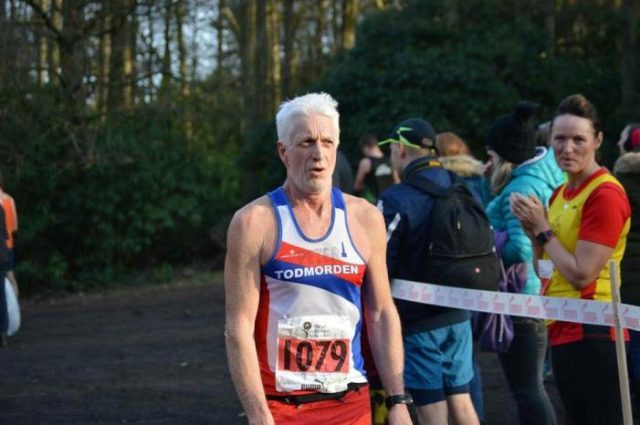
(472,171)
(406,212)
(627,171)
(537,176)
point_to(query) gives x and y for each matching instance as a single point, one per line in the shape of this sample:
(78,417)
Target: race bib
(314,353)
(545,269)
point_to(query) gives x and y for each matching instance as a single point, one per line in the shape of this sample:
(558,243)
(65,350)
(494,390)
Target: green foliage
(141,194)
(409,62)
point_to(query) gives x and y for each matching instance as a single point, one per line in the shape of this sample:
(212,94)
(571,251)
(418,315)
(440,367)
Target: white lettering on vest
(311,271)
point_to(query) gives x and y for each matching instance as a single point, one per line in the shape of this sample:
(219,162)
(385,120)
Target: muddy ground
(144,356)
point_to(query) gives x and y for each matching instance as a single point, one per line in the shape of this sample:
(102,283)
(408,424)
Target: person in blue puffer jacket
(519,166)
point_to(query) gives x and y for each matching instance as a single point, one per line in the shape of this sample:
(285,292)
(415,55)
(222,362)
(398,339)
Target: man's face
(311,155)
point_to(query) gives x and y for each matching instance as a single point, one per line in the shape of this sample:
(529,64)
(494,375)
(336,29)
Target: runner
(299,261)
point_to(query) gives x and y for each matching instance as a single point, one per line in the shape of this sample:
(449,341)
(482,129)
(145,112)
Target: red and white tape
(536,306)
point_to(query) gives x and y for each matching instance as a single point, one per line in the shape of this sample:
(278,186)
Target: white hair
(319,103)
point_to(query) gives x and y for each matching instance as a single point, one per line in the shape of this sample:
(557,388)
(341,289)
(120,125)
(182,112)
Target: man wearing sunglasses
(437,340)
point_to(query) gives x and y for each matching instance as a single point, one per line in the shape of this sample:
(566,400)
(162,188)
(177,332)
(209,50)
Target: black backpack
(460,250)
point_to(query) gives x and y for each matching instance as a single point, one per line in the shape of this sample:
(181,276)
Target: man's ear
(282,151)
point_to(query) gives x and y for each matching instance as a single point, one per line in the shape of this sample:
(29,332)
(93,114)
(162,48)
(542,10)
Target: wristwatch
(543,237)
(398,399)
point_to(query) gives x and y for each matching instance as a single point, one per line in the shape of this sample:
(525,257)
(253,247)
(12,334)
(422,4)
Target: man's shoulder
(254,216)
(359,206)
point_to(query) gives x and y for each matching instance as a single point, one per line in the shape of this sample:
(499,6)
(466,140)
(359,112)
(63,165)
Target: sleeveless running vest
(309,320)
(565,217)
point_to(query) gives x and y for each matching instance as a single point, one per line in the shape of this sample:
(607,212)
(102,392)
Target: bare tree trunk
(182,49)
(336,24)
(150,86)
(317,54)
(43,44)
(117,79)
(275,65)
(349,20)
(72,57)
(104,58)
(185,89)
(130,51)
(289,32)
(56,19)
(261,83)
(166,57)
(629,59)
(247,13)
(220,36)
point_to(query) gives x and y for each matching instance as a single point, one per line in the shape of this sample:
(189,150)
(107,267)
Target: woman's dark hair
(578,105)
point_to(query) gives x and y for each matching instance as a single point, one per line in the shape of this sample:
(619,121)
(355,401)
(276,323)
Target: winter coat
(627,171)
(472,171)
(538,176)
(406,212)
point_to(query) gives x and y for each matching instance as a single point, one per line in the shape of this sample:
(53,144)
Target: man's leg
(423,375)
(433,414)
(461,410)
(457,369)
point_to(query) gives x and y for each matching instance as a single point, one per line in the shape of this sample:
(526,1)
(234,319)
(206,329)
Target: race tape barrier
(536,306)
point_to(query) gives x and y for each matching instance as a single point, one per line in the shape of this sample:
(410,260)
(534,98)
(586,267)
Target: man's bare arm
(242,290)
(383,322)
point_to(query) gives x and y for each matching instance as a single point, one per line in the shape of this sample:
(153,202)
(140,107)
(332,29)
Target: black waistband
(310,398)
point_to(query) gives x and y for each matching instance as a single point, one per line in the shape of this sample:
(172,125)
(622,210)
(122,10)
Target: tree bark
(72,60)
(43,44)
(104,58)
(56,20)
(118,96)
(166,57)
(629,59)
(182,49)
(289,33)
(130,51)
(275,64)
(349,20)
(220,36)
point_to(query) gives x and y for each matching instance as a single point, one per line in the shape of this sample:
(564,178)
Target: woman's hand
(531,213)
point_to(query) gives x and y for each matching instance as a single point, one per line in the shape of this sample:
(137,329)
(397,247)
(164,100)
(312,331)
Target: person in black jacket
(437,340)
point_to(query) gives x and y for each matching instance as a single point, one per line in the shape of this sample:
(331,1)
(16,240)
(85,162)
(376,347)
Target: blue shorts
(438,363)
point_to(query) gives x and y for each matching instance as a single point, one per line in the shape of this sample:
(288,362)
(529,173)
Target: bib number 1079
(313,355)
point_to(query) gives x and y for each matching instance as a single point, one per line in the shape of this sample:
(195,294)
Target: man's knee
(433,413)
(461,409)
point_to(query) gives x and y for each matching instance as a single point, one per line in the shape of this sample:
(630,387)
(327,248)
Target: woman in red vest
(585,227)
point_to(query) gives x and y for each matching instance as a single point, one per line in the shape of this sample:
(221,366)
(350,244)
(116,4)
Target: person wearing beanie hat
(519,166)
(437,341)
